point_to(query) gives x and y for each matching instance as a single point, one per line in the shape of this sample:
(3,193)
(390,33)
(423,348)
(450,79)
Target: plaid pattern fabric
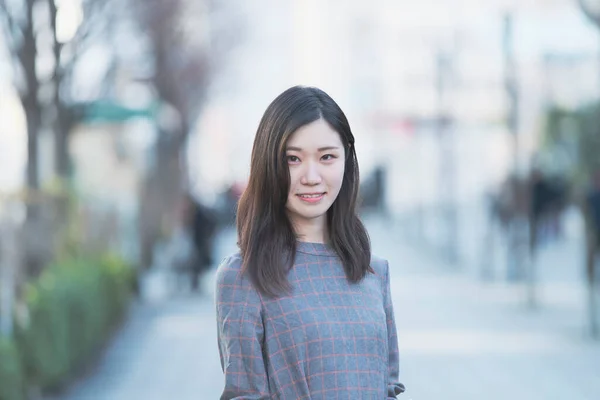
(328,339)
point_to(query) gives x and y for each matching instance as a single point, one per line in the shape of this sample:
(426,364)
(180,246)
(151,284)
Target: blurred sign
(399,124)
(408,125)
(110,111)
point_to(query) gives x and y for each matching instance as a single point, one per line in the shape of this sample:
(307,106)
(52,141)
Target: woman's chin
(308,213)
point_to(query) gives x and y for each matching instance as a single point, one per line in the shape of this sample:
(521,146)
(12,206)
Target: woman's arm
(394,386)
(240,335)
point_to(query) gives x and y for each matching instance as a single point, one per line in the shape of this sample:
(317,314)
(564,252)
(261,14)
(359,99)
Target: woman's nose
(312,174)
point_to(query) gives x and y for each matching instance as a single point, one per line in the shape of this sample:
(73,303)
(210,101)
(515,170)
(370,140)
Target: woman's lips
(311,197)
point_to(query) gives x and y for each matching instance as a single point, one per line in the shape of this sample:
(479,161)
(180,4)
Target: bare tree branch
(56,46)
(10,26)
(588,13)
(97,14)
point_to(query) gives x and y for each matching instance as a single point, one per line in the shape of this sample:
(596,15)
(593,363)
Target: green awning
(112,111)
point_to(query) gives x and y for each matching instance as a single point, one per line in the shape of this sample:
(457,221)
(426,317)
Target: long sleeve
(240,335)
(394,386)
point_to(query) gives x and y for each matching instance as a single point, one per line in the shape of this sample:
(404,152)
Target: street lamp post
(445,59)
(591,9)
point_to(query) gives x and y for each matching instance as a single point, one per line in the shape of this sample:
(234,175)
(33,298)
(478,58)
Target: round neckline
(316,249)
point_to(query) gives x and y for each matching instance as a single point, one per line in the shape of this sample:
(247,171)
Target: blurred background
(125,135)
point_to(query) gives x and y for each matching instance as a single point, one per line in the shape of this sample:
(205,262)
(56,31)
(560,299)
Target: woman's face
(316,159)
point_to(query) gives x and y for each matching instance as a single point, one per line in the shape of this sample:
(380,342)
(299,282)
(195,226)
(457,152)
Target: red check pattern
(328,339)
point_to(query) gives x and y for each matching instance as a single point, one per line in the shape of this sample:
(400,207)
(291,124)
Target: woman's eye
(328,157)
(293,159)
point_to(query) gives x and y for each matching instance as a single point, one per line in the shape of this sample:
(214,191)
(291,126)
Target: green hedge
(72,309)
(12,385)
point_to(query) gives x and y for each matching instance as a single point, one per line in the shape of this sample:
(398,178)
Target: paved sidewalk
(460,339)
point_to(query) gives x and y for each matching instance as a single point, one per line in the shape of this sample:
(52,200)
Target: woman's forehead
(316,135)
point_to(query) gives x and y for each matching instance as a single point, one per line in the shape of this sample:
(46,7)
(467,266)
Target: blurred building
(13,141)
(397,68)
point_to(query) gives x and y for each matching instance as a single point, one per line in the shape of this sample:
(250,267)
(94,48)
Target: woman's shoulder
(233,288)
(229,271)
(380,265)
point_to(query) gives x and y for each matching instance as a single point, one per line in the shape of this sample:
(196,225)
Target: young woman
(303,310)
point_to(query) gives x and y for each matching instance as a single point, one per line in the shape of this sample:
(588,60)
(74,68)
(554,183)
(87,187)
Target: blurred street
(459,337)
(125,147)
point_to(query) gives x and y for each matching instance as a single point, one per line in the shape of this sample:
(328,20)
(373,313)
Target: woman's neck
(311,230)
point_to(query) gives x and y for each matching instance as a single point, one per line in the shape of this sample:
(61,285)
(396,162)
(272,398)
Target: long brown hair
(266,237)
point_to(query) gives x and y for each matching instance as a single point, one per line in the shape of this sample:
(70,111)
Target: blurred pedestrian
(202,224)
(594,204)
(549,198)
(303,309)
(593,216)
(541,200)
(592,220)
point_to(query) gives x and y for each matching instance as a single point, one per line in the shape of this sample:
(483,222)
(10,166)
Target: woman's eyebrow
(294,148)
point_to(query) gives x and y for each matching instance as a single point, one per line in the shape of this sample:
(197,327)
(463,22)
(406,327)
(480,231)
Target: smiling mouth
(311,197)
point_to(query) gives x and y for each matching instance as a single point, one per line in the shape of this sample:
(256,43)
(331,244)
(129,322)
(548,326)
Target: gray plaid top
(328,339)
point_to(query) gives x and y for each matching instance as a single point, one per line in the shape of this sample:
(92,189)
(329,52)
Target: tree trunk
(161,194)
(62,158)
(63,122)
(28,57)
(33,123)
